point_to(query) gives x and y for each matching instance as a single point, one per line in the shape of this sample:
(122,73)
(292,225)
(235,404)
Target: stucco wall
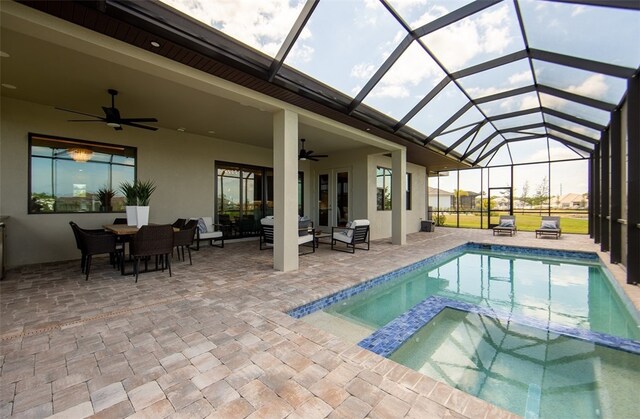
(381,220)
(181,164)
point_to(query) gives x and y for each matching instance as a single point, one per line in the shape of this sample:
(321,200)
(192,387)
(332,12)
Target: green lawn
(570,222)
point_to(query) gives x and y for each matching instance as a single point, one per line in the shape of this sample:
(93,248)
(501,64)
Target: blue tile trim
(440,258)
(389,338)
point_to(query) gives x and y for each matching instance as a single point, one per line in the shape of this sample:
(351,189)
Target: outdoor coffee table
(321,235)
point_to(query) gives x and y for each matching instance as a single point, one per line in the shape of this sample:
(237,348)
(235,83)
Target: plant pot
(132,218)
(142,216)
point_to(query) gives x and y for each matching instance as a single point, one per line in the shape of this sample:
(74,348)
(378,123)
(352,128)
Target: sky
(346,41)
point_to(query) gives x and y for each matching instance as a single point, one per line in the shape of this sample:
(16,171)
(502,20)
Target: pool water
(570,293)
(526,370)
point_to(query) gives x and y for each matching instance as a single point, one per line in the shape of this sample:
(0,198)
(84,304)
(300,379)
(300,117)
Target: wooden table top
(125,230)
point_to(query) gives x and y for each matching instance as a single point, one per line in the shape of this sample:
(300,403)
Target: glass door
(333,193)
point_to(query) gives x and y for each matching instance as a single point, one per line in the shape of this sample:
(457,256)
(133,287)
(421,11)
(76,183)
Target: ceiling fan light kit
(112,116)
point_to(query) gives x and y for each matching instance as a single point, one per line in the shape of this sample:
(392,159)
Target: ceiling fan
(112,116)
(308,155)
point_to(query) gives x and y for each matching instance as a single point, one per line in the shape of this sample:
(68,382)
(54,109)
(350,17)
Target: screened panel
(417,14)
(446,103)
(599,33)
(585,83)
(469,198)
(531,186)
(506,77)
(478,38)
(510,104)
(410,78)
(529,151)
(580,129)
(517,121)
(559,151)
(344,43)
(446,140)
(576,109)
(571,139)
(500,157)
(471,116)
(569,178)
(262,25)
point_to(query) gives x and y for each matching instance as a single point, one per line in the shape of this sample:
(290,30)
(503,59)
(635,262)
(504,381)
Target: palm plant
(144,191)
(130,192)
(105,195)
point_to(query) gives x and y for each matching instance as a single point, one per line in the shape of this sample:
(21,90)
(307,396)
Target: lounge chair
(206,230)
(306,234)
(550,226)
(355,233)
(507,225)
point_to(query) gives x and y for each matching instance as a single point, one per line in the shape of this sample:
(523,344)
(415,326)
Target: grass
(570,222)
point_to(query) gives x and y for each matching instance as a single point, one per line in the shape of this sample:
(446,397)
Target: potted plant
(144,189)
(130,192)
(105,195)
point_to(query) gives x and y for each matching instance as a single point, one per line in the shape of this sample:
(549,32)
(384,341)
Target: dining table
(124,230)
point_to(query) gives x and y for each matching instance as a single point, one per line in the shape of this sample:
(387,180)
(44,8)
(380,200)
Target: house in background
(572,201)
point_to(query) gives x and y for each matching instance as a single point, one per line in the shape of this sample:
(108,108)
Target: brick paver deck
(214,339)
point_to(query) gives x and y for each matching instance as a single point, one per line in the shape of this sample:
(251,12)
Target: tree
(542,193)
(525,193)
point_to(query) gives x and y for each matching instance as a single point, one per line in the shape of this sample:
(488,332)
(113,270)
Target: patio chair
(184,238)
(179,223)
(94,243)
(306,234)
(152,240)
(355,233)
(206,230)
(507,225)
(549,226)
(80,245)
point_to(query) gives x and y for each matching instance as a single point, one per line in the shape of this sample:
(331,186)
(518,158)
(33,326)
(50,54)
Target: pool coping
(390,337)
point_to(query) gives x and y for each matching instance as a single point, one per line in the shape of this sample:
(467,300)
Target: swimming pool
(566,296)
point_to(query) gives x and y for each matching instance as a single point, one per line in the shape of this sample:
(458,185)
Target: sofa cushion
(303,227)
(549,225)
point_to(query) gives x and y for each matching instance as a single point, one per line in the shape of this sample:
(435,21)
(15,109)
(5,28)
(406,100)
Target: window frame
(92,145)
(386,172)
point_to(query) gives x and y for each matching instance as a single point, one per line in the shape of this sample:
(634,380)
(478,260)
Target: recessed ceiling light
(155,44)
(181,129)
(367,129)
(4,54)
(9,86)
(211,132)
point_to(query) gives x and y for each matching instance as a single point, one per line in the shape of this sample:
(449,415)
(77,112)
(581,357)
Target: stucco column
(285,190)
(399,197)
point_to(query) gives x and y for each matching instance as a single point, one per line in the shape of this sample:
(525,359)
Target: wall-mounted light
(81,155)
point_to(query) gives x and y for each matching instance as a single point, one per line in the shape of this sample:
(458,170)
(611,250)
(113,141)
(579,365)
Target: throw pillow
(303,227)
(506,223)
(549,224)
(349,233)
(202,227)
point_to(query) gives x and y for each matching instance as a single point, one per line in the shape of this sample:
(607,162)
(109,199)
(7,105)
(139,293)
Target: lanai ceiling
(486,83)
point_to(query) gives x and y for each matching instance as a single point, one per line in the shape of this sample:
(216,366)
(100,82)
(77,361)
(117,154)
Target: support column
(615,134)
(590,211)
(633,180)
(605,192)
(285,190)
(399,197)
(596,193)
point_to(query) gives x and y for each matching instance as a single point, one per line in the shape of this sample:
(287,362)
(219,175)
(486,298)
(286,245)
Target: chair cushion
(305,239)
(549,224)
(267,221)
(211,235)
(342,237)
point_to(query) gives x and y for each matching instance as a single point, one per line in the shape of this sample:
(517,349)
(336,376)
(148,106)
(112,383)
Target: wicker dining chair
(152,240)
(80,244)
(94,243)
(184,238)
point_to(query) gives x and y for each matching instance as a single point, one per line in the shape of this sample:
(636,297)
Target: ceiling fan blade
(85,120)
(79,113)
(132,124)
(311,158)
(320,155)
(117,128)
(125,120)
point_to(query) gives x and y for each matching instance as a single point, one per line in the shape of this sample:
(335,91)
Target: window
(67,175)
(245,195)
(383,185)
(408,186)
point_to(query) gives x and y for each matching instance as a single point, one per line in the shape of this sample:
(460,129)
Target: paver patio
(214,339)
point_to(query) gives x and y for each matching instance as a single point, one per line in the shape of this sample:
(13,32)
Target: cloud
(260,24)
(363,71)
(519,78)
(595,86)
